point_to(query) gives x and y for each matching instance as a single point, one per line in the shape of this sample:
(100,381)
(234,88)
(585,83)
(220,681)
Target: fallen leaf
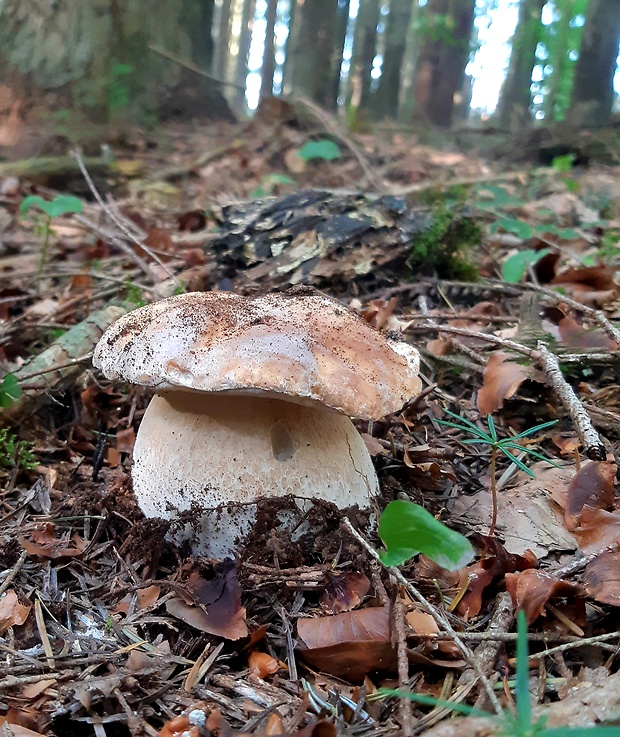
(262,664)
(567,442)
(598,529)
(349,645)
(43,543)
(439,346)
(11,611)
(576,336)
(214,605)
(501,380)
(494,563)
(592,485)
(602,578)
(125,440)
(531,590)
(344,591)
(146,597)
(424,624)
(529,516)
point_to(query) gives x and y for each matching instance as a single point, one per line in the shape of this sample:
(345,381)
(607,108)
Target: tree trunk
(269,61)
(340,36)
(396,36)
(516,96)
(312,50)
(364,50)
(245,37)
(222,41)
(441,66)
(593,89)
(94,60)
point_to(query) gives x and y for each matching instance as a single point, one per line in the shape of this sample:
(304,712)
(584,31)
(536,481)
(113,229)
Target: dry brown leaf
(576,336)
(146,597)
(41,542)
(502,378)
(592,485)
(32,690)
(567,442)
(529,515)
(11,611)
(598,529)
(125,440)
(531,590)
(212,606)
(349,645)
(263,665)
(439,346)
(344,591)
(602,578)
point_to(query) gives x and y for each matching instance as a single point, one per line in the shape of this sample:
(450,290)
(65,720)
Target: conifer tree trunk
(516,97)
(441,65)
(396,36)
(269,61)
(593,89)
(364,50)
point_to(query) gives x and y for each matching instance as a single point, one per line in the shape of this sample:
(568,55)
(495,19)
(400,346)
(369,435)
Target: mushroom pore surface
(217,455)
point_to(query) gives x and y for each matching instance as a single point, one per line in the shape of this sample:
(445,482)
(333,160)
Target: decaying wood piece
(314,237)
(41,168)
(65,358)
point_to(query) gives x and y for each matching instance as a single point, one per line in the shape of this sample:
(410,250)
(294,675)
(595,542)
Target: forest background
(437,62)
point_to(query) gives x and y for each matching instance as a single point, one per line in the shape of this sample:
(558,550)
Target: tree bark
(441,66)
(396,36)
(364,50)
(516,97)
(312,50)
(245,37)
(269,61)
(593,89)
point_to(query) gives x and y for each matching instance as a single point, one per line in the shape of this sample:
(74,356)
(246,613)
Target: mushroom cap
(300,345)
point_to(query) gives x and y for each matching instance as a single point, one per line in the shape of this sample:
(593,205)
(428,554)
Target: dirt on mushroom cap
(305,347)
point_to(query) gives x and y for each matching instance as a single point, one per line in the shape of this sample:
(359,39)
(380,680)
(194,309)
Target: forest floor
(504,278)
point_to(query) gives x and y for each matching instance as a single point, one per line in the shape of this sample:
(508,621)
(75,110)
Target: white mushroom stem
(219,454)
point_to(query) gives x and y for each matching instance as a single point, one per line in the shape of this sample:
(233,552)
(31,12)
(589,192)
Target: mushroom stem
(218,455)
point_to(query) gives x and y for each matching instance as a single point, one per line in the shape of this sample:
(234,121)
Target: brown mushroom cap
(303,347)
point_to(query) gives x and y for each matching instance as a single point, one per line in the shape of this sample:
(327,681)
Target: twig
(488,337)
(580,642)
(405,706)
(13,572)
(594,448)
(581,563)
(119,224)
(437,615)
(597,315)
(193,68)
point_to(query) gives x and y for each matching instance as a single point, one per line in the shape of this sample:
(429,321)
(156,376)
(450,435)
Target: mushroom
(253,401)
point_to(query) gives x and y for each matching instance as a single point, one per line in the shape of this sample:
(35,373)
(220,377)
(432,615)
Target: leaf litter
(107,627)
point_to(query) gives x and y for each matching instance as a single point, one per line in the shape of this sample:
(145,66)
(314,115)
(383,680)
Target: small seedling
(517,723)
(61,205)
(498,445)
(16,453)
(407,529)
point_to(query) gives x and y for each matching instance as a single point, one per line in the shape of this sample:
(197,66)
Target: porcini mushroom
(253,402)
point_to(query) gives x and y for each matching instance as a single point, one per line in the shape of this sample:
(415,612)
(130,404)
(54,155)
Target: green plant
(515,267)
(498,445)
(10,390)
(16,453)
(134,297)
(324,149)
(517,723)
(269,184)
(441,245)
(61,205)
(407,529)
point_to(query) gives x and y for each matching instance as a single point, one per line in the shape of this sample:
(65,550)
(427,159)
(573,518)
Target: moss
(443,247)
(16,453)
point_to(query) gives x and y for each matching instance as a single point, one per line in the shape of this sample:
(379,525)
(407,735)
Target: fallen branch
(594,448)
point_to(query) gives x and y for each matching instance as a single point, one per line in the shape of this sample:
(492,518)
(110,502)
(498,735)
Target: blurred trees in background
(368,60)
